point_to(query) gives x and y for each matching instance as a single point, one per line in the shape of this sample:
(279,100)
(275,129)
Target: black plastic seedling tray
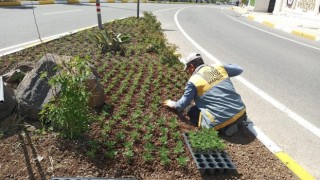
(211,162)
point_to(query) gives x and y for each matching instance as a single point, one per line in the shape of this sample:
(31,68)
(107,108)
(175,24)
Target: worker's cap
(191,57)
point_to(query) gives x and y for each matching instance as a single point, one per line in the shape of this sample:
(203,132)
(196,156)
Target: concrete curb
(271,24)
(280,27)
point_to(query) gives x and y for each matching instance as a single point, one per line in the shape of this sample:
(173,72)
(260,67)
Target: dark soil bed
(136,137)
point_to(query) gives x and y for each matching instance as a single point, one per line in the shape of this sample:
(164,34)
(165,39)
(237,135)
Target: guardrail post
(99,14)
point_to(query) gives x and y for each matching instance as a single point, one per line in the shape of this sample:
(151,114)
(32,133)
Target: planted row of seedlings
(136,129)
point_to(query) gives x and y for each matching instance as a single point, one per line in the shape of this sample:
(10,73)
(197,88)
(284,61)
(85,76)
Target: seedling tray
(211,163)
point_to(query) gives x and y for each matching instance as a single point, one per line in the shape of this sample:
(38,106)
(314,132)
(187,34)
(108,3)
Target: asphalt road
(18,23)
(283,66)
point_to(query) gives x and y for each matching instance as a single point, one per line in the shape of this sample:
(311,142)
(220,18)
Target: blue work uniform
(213,93)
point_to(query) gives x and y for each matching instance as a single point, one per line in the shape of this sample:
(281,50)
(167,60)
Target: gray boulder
(33,92)
(15,75)
(8,106)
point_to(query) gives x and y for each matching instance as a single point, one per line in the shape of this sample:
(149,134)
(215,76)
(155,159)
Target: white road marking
(19,47)
(303,44)
(163,10)
(61,12)
(300,120)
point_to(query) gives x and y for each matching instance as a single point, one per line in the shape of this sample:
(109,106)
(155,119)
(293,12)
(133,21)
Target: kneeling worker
(217,105)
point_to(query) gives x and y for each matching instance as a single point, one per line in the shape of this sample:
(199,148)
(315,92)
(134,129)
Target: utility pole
(138,5)
(99,14)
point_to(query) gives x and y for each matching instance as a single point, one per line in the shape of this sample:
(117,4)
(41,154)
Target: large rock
(16,74)
(33,92)
(8,106)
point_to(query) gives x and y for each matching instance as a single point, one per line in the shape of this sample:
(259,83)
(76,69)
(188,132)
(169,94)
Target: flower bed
(133,135)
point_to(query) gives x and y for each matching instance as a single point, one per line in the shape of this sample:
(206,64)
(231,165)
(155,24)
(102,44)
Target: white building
(299,7)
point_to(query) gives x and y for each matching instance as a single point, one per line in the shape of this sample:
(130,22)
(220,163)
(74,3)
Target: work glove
(169,103)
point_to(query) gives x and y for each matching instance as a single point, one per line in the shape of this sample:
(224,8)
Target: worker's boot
(230,130)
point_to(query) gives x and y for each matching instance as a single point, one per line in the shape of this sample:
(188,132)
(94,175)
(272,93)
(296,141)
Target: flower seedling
(110,144)
(94,146)
(179,148)
(147,137)
(111,154)
(176,135)
(147,157)
(163,140)
(182,161)
(148,147)
(120,136)
(164,159)
(135,135)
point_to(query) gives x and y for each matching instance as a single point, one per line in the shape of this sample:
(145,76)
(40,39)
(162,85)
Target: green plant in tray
(205,140)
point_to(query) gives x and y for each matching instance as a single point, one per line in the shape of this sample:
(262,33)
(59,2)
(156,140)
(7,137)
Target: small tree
(69,111)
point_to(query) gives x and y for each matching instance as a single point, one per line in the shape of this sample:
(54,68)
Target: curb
(37,42)
(291,31)
(285,158)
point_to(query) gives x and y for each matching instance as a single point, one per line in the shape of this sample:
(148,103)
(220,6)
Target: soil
(135,82)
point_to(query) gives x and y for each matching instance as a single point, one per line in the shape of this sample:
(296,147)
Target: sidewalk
(305,27)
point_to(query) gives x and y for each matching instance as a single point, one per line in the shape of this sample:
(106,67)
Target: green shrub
(69,112)
(108,41)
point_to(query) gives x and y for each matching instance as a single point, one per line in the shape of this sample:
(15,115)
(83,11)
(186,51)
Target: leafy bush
(206,140)
(69,112)
(151,21)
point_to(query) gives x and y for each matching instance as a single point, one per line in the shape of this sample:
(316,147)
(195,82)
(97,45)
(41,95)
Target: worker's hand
(169,103)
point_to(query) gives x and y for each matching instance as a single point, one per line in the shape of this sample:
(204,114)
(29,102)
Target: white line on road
(19,47)
(163,10)
(303,44)
(61,12)
(300,120)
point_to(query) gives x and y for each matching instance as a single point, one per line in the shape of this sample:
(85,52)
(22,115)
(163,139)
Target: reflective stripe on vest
(207,77)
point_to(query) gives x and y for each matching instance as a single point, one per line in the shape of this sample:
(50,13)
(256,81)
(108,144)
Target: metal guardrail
(1,90)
